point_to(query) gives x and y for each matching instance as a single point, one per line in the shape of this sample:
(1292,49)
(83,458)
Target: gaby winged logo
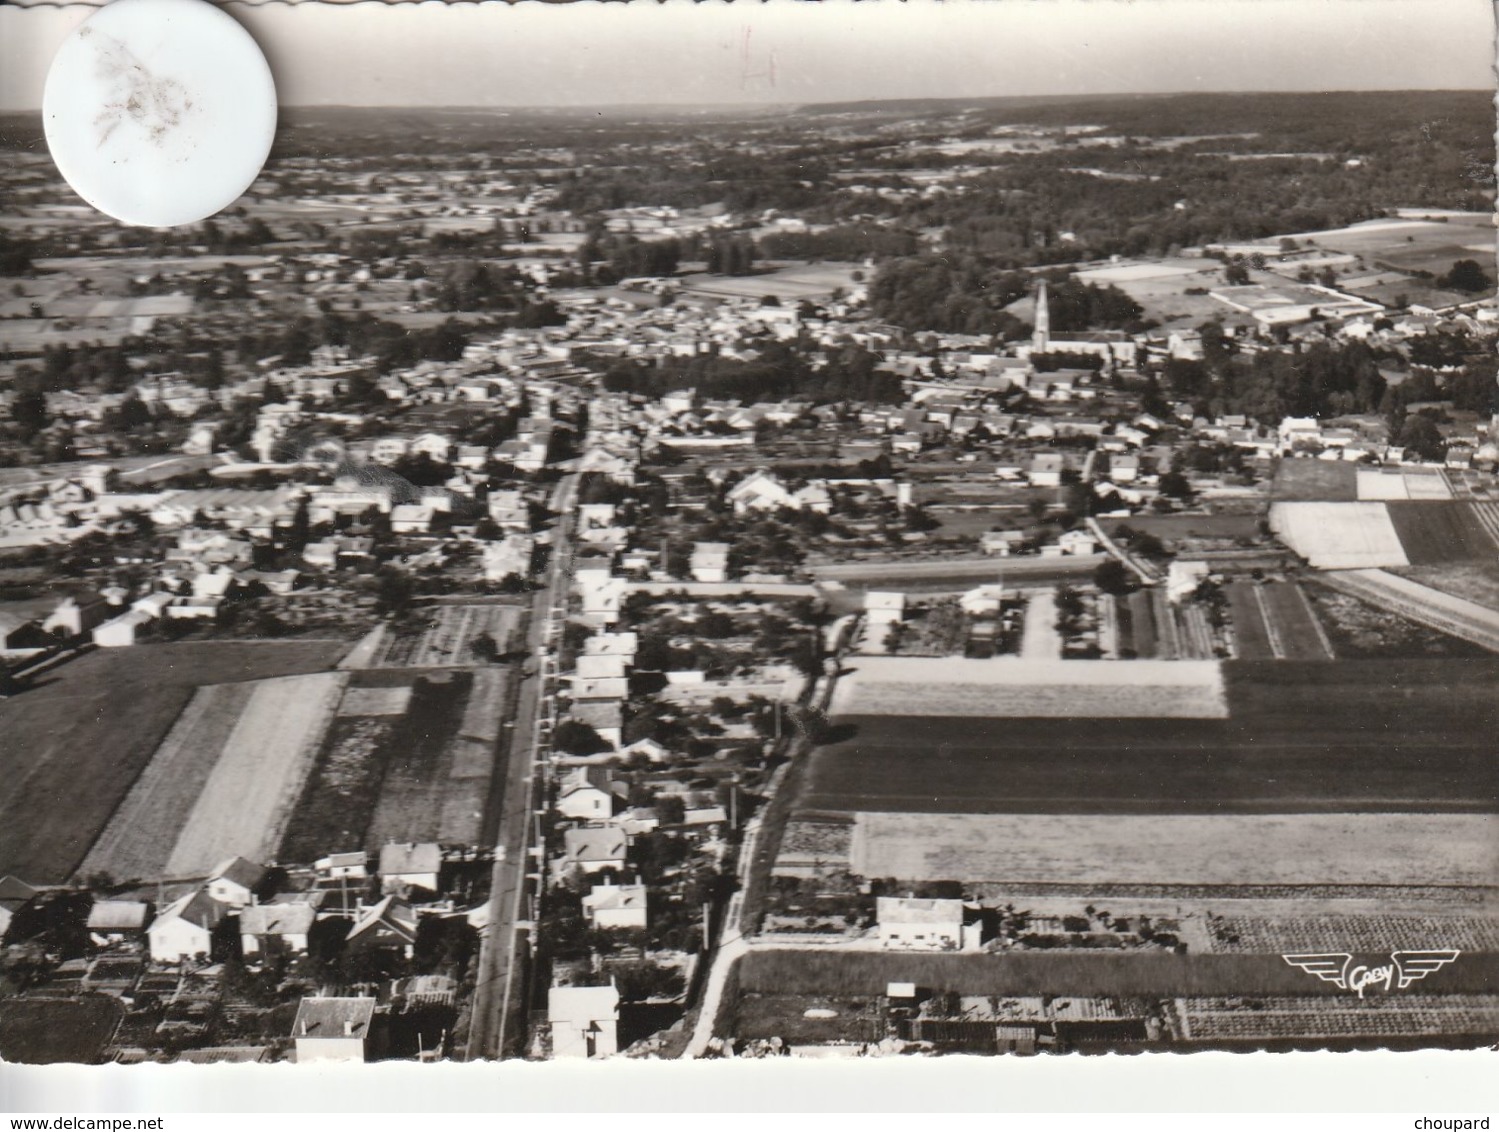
(1404,968)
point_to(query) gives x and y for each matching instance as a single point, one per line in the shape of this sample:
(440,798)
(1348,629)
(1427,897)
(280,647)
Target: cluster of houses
(347,902)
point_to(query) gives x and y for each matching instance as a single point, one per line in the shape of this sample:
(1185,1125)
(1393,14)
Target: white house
(185,927)
(1046,469)
(1077,542)
(115,921)
(760,492)
(710,562)
(593,850)
(915,924)
(410,863)
(601,594)
(583,795)
(234,881)
(332,1029)
(1183,578)
(275,929)
(339,866)
(616,906)
(982,601)
(883,609)
(584,1021)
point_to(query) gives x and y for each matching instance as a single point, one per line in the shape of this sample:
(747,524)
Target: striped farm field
(259,774)
(139,838)
(1436,532)
(1251,634)
(79,739)
(1293,624)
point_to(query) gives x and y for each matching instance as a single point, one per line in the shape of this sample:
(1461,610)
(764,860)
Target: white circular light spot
(159,112)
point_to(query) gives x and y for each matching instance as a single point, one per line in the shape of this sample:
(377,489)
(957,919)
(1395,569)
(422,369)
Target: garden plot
(1339,536)
(1010,687)
(1179,849)
(1358,933)
(375,701)
(259,775)
(447,639)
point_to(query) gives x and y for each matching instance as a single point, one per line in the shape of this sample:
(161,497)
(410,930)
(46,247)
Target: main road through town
(500,991)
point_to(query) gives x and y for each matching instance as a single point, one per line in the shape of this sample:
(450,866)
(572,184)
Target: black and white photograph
(747,531)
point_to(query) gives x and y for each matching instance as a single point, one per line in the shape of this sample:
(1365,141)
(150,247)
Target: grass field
(1328,481)
(791,282)
(77,741)
(411,799)
(261,769)
(1402,483)
(51,1031)
(423,774)
(1175,528)
(1434,532)
(1313,736)
(1141,974)
(1192,850)
(1474,581)
(1339,536)
(1007,687)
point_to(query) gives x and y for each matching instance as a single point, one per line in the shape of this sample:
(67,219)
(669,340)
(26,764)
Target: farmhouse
(234,882)
(709,562)
(616,906)
(333,1029)
(275,929)
(882,609)
(604,716)
(914,924)
(584,795)
(186,927)
(410,863)
(117,921)
(592,850)
(387,925)
(584,1021)
(338,866)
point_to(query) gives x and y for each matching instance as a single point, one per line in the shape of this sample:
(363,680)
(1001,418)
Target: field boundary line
(305,759)
(1272,630)
(1306,603)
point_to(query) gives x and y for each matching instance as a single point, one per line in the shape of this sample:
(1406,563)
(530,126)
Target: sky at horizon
(786,53)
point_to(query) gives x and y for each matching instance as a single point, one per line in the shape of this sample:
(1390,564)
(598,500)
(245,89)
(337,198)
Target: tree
(1176,485)
(1466,275)
(1113,577)
(484,648)
(1420,434)
(29,411)
(1235,273)
(393,590)
(575,737)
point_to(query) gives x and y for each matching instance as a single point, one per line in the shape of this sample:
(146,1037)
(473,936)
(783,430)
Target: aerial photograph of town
(1002,571)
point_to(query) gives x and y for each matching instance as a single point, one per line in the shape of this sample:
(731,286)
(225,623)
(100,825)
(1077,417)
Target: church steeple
(1041,336)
